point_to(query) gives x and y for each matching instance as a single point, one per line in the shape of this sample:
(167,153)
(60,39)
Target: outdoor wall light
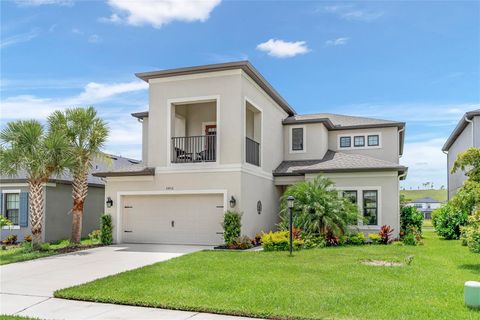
(109,202)
(233,202)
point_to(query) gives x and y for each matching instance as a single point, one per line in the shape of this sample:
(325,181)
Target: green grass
(440,195)
(18,253)
(314,284)
(427,223)
(7,317)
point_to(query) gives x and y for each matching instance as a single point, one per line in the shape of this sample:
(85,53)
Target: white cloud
(95,38)
(159,13)
(28,106)
(426,163)
(351,12)
(283,49)
(337,42)
(36,3)
(77,31)
(19,38)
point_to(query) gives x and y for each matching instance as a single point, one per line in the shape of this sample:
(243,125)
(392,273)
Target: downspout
(473,136)
(400,131)
(448,174)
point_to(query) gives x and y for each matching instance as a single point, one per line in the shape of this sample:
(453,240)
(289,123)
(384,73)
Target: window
(297,139)
(12,207)
(370,207)
(373,140)
(359,141)
(350,195)
(345,142)
(418,205)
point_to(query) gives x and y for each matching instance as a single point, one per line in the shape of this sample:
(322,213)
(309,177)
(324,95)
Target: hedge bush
(410,217)
(231,226)
(447,221)
(280,241)
(470,233)
(106,229)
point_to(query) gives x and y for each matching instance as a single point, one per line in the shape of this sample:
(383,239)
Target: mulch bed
(77,248)
(224,247)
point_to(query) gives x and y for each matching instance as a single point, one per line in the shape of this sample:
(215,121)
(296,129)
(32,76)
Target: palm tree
(25,145)
(86,133)
(319,210)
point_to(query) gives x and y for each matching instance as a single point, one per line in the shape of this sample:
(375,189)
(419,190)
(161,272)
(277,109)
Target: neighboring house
(425,205)
(219,137)
(465,135)
(58,202)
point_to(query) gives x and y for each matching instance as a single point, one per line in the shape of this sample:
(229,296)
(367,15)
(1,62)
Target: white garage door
(173,219)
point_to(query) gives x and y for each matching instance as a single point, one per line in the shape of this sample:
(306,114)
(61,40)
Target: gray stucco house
(220,137)
(58,202)
(425,205)
(465,135)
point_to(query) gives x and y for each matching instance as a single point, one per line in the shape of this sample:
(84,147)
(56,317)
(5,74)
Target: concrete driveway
(26,288)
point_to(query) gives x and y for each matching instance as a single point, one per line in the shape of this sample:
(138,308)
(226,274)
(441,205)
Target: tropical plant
(106,229)
(318,208)
(410,217)
(385,234)
(26,145)
(231,226)
(374,237)
(86,133)
(241,243)
(280,241)
(447,221)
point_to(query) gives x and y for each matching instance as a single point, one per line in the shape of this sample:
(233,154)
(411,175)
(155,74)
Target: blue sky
(417,62)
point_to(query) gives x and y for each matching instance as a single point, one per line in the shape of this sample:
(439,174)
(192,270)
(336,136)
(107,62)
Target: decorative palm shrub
(106,229)
(447,221)
(318,209)
(231,226)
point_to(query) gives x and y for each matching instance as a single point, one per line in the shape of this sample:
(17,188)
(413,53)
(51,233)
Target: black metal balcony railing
(194,149)
(252,152)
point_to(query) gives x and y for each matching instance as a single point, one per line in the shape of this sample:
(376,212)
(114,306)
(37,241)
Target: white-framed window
(370,207)
(297,139)
(368,201)
(373,140)
(360,141)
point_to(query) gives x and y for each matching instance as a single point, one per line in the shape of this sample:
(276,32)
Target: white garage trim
(120,194)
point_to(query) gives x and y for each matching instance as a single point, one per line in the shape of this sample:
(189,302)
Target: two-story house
(465,135)
(220,137)
(425,205)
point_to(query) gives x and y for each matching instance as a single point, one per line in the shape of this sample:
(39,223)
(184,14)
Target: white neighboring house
(465,135)
(220,137)
(425,205)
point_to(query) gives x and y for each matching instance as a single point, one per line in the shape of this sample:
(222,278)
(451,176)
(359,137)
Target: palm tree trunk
(79,193)
(36,209)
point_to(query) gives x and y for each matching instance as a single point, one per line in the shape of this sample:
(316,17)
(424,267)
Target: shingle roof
(338,121)
(425,200)
(459,128)
(133,170)
(336,162)
(110,162)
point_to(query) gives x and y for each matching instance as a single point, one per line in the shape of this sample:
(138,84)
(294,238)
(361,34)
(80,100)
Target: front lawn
(314,284)
(19,253)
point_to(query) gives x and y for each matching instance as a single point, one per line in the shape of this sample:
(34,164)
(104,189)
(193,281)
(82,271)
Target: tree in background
(25,145)
(86,134)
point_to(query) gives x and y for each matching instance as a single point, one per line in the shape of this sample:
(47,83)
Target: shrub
(311,242)
(10,239)
(447,221)
(385,234)
(356,239)
(471,232)
(106,229)
(95,235)
(410,217)
(279,241)
(4,221)
(412,236)
(242,242)
(231,226)
(374,237)
(28,238)
(258,239)
(318,208)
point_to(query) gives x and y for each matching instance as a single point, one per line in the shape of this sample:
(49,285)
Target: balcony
(194,149)
(252,151)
